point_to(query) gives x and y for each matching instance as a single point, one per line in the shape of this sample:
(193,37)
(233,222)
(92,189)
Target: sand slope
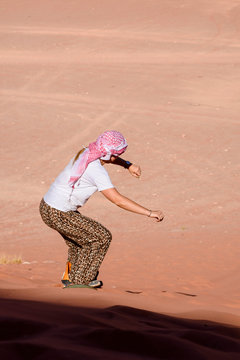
(166,74)
(39,331)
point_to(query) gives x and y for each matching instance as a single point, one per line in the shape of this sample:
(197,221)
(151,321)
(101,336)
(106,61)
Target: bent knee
(107,237)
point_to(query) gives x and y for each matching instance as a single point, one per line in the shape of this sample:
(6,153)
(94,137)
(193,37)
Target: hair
(78,154)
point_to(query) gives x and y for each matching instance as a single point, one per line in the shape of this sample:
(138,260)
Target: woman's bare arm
(125,203)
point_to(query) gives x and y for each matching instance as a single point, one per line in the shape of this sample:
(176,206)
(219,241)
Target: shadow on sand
(34,330)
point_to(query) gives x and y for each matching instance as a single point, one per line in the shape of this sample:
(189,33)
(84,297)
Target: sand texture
(166,74)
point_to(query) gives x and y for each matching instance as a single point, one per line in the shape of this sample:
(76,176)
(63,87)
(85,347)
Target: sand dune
(41,330)
(165,74)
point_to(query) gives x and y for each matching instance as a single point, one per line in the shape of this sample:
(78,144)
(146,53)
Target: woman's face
(113,157)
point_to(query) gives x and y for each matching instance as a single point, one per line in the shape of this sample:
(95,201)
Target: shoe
(66,282)
(95,284)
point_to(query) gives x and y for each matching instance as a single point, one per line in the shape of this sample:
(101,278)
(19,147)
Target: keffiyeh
(109,143)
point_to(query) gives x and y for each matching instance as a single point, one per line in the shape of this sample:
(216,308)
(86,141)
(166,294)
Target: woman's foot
(66,282)
(93,284)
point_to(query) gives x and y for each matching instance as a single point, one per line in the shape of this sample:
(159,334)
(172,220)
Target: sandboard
(78,286)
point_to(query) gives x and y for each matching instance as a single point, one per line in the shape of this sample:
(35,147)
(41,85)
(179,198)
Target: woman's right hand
(157,214)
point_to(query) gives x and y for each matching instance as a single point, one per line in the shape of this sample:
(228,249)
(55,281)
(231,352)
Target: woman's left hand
(135,170)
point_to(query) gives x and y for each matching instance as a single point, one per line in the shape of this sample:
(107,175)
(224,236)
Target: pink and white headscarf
(107,144)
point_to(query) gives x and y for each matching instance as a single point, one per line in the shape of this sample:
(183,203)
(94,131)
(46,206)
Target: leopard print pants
(88,241)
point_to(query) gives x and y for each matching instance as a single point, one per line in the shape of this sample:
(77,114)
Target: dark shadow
(35,330)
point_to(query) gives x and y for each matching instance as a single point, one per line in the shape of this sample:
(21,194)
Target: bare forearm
(123,202)
(131,205)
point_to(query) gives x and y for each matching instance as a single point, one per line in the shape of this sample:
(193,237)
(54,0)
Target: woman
(88,240)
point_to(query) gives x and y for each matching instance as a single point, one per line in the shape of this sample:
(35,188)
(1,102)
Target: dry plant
(5,259)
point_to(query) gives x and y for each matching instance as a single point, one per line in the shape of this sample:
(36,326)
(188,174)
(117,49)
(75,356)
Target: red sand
(166,74)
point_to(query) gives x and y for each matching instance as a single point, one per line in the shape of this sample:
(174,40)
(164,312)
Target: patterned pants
(88,241)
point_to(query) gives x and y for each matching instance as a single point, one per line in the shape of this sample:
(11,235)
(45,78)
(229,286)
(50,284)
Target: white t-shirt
(61,196)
